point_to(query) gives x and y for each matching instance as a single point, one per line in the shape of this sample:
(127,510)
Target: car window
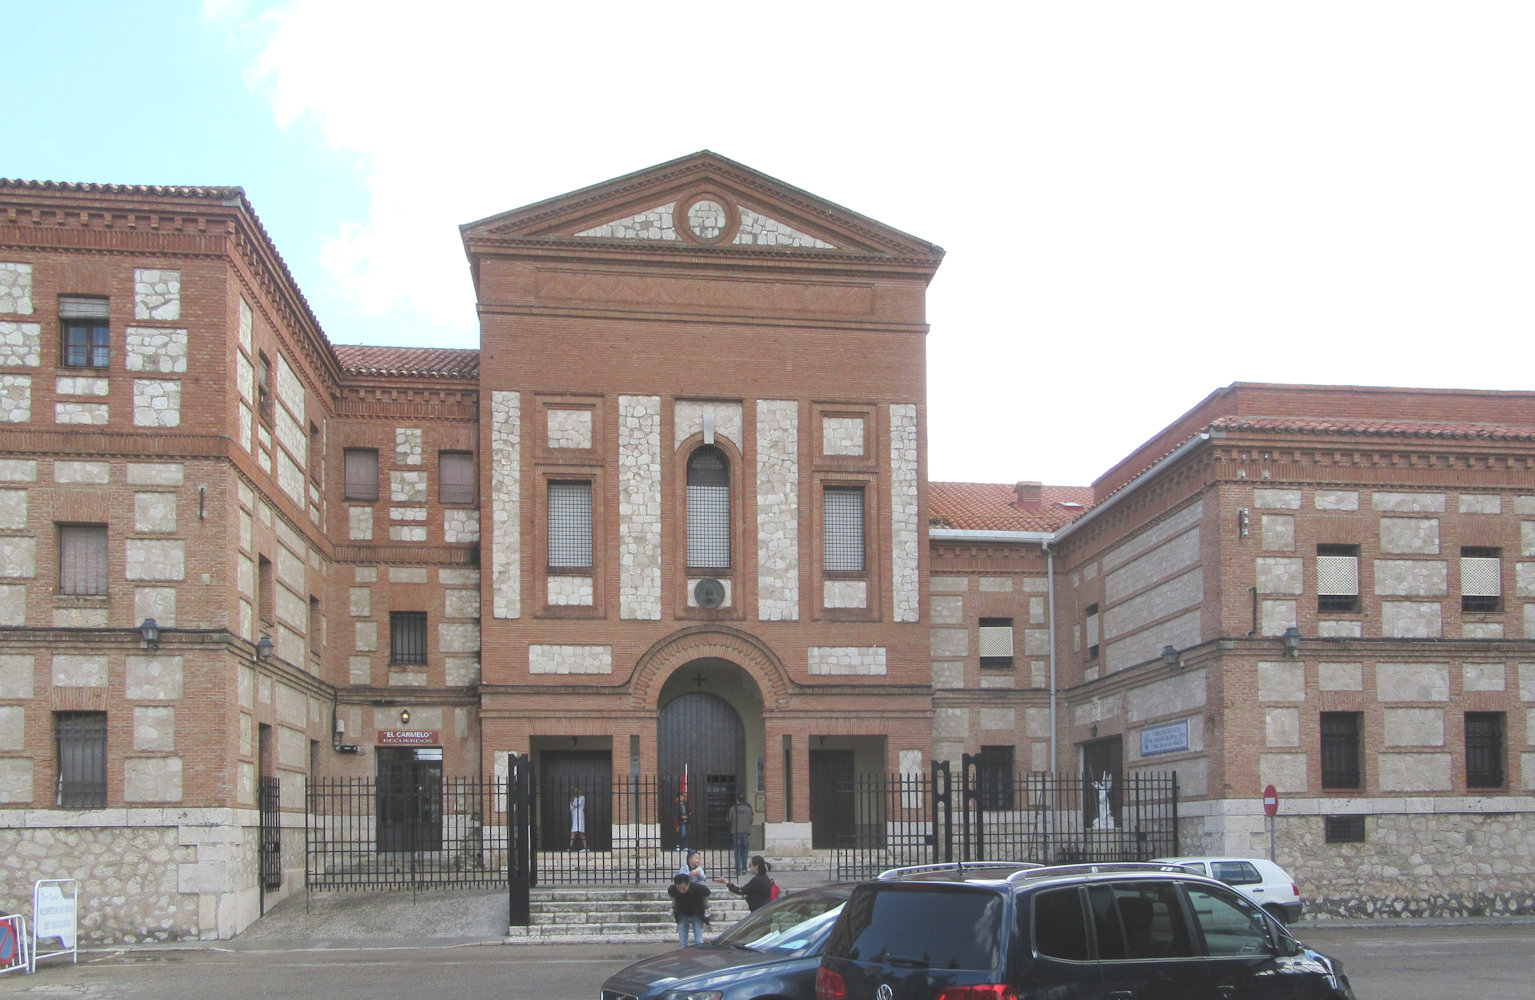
(789,925)
(1231,925)
(927,927)
(1139,920)
(1060,929)
(1235,872)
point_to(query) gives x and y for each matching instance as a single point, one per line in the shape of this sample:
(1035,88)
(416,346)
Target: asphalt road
(1385,961)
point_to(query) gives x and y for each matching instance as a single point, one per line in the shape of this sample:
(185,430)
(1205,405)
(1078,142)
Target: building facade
(674,511)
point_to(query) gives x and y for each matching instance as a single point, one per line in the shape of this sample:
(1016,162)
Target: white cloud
(1141,202)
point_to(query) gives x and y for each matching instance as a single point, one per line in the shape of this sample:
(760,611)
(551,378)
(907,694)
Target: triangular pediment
(700,201)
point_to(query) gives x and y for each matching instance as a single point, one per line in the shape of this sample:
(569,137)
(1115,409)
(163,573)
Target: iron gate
(364,833)
(269,823)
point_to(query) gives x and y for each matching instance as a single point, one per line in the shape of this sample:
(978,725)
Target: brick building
(675,509)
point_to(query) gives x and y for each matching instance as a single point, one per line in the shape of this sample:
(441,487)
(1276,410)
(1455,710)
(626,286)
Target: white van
(1264,882)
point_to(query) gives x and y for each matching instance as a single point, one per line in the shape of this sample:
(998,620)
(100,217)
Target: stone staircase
(642,913)
(616,913)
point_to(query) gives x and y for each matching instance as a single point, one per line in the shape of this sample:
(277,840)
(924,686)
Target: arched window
(708,509)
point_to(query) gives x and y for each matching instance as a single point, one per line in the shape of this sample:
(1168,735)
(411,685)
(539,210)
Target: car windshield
(791,924)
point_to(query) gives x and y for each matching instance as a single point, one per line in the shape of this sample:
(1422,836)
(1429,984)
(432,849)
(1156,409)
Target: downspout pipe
(1050,591)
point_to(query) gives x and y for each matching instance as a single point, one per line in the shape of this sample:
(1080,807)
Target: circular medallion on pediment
(708,217)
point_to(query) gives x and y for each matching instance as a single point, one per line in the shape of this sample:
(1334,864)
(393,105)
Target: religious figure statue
(1105,820)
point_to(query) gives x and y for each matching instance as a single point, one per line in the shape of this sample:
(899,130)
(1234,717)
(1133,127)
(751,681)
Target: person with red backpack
(759,889)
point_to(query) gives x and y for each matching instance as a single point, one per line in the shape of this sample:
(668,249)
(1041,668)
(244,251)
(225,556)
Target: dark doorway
(560,773)
(831,798)
(1102,757)
(409,799)
(703,733)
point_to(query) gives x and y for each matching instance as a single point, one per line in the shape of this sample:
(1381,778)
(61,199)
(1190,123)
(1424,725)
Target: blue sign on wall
(1165,738)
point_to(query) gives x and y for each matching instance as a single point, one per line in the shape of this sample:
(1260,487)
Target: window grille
(708,509)
(1337,577)
(996,642)
(264,388)
(1481,579)
(1344,829)
(842,533)
(1340,750)
(1090,627)
(407,637)
(1484,750)
(81,738)
(455,477)
(361,474)
(570,525)
(83,559)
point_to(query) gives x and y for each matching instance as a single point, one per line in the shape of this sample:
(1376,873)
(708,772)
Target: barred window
(1340,749)
(708,509)
(1484,750)
(455,477)
(83,559)
(407,637)
(81,738)
(994,777)
(1090,628)
(996,642)
(570,525)
(1481,578)
(83,326)
(1337,578)
(842,529)
(1343,829)
(361,474)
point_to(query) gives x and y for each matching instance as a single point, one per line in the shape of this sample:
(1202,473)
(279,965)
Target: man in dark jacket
(739,819)
(690,901)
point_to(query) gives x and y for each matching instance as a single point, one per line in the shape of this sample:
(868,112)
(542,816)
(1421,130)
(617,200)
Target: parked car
(980,932)
(774,951)
(1264,882)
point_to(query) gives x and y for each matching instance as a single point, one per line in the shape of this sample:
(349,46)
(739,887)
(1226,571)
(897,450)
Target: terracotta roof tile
(416,362)
(996,507)
(1376,428)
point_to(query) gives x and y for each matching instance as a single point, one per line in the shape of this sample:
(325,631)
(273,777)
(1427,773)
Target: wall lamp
(149,631)
(1291,640)
(1170,656)
(264,648)
(404,716)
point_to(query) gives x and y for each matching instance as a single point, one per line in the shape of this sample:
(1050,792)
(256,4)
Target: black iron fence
(423,830)
(1066,817)
(365,833)
(893,820)
(631,830)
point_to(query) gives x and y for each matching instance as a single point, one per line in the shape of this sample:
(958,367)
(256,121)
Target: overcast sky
(1141,202)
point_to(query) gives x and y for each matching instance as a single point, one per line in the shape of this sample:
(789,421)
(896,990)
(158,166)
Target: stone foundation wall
(145,875)
(1425,857)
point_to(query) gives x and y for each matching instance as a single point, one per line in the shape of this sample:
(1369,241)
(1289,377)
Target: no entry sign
(1270,801)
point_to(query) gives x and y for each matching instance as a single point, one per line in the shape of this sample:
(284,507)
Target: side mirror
(1288,946)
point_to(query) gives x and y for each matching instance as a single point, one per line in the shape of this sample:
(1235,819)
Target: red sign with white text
(1270,801)
(409,737)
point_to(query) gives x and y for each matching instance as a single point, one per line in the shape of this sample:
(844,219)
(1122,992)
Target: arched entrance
(702,733)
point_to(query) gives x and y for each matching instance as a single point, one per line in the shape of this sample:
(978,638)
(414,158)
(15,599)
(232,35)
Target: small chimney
(1029,493)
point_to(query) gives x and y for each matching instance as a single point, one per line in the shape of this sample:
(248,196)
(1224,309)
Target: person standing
(577,818)
(739,819)
(759,889)
(689,904)
(680,816)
